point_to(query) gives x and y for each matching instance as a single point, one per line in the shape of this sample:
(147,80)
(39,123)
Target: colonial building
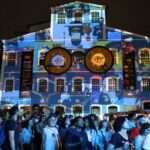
(78,64)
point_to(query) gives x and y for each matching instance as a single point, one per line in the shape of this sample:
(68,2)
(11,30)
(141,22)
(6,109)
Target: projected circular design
(57,61)
(99,60)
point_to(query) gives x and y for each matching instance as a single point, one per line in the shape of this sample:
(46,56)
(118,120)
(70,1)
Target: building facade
(78,64)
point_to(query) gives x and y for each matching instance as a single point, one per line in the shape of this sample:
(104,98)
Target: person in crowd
(66,122)
(26,136)
(75,137)
(140,120)
(104,135)
(111,121)
(120,139)
(146,142)
(50,137)
(90,132)
(2,130)
(131,120)
(11,142)
(140,138)
(37,137)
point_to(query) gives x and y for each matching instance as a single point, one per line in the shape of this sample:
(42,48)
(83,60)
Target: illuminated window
(60,85)
(146,84)
(112,109)
(61,18)
(145,56)
(95,84)
(11,58)
(9,85)
(95,16)
(77,85)
(112,84)
(43,85)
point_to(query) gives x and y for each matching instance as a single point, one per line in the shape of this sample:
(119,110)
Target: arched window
(144,56)
(77,85)
(95,110)
(60,109)
(9,85)
(95,84)
(60,85)
(112,109)
(43,85)
(11,58)
(113,84)
(146,84)
(77,110)
(61,18)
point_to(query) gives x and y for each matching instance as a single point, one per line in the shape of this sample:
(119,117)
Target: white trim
(112,105)
(9,78)
(107,82)
(9,52)
(60,105)
(42,78)
(57,78)
(78,77)
(77,105)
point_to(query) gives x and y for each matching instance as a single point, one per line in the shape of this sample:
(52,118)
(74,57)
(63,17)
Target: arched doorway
(113,109)
(77,110)
(60,109)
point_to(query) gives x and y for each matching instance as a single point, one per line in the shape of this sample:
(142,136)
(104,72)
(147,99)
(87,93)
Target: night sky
(16,16)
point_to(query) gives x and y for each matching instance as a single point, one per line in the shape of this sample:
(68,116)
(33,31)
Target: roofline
(55,3)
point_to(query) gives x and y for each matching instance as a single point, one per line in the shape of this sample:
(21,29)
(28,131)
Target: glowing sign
(57,60)
(99,60)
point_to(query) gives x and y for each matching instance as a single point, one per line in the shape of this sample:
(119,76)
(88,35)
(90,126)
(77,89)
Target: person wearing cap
(11,141)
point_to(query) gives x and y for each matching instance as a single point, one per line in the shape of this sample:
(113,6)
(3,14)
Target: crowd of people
(42,129)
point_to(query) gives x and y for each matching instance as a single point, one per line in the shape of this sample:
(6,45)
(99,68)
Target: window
(146,84)
(95,84)
(146,105)
(43,85)
(60,85)
(78,17)
(11,58)
(9,85)
(77,85)
(95,110)
(61,18)
(95,16)
(113,84)
(60,109)
(145,56)
(77,110)
(112,109)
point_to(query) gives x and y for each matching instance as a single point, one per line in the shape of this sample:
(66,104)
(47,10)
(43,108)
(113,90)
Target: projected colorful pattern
(78,27)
